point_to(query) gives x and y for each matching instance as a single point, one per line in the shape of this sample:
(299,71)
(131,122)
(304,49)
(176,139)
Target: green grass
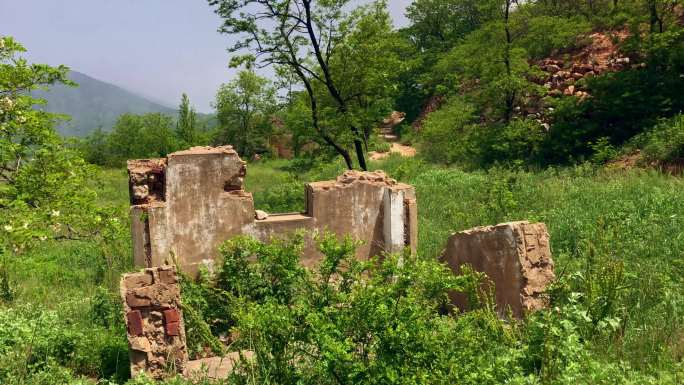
(636,217)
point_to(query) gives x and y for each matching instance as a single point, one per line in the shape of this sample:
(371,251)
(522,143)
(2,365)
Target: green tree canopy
(44,189)
(244,108)
(186,127)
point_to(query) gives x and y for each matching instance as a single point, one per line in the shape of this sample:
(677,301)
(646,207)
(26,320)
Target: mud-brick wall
(154,322)
(516,258)
(186,205)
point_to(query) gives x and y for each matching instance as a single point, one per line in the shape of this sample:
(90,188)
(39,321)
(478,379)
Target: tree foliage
(313,39)
(492,67)
(186,127)
(245,109)
(44,186)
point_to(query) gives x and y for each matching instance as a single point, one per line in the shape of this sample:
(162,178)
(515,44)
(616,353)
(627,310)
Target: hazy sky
(157,48)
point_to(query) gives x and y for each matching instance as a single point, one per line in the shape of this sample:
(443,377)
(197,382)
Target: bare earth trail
(387,134)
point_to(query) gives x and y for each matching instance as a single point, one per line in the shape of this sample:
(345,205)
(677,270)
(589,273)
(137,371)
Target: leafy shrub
(603,151)
(446,133)
(665,141)
(281,198)
(380,146)
(37,342)
(544,34)
(451,135)
(387,321)
(6,288)
(369,322)
(518,143)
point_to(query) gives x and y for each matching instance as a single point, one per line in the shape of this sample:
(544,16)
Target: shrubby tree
(44,191)
(296,117)
(437,25)
(368,63)
(149,135)
(186,127)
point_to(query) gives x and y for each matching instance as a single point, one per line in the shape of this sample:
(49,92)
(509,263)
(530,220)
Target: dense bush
(452,135)
(665,141)
(133,137)
(546,34)
(446,135)
(36,343)
(388,321)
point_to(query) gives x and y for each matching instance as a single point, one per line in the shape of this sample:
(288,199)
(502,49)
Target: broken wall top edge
(205,150)
(491,227)
(351,177)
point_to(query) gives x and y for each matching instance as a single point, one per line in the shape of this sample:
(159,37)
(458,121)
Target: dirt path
(398,148)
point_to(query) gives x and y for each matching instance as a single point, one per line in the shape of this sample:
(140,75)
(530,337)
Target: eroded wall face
(202,203)
(154,322)
(516,257)
(206,203)
(369,206)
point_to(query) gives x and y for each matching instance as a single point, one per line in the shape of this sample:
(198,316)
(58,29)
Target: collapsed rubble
(154,322)
(184,206)
(564,77)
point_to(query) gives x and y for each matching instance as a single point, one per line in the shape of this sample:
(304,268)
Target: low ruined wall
(186,205)
(516,257)
(154,322)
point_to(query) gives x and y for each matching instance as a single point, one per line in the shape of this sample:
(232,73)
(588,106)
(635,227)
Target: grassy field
(64,325)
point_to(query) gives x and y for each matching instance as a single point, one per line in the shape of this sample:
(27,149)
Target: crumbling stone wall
(154,322)
(516,257)
(186,205)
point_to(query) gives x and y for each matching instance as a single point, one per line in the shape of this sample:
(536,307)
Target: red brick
(134,322)
(171,315)
(172,328)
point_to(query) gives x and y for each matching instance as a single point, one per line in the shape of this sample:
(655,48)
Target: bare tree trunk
(330,85)
(510,95)
(655,19)
(294,63)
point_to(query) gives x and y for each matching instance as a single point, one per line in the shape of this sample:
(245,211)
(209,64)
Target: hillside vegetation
(564,112)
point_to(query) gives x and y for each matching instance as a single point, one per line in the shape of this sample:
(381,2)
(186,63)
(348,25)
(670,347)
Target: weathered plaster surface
(201,203)
(516,257)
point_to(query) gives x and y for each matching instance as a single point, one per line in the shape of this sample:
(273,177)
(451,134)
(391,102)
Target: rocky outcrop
(563,77)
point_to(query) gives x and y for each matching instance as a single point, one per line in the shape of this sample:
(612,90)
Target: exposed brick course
(134,322)
(156,333)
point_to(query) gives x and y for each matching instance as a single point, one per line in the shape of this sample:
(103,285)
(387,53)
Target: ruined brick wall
(154,322)
(186,205)
(516,257)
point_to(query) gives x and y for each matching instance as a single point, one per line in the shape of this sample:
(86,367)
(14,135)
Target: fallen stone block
(215,368)
(516,257)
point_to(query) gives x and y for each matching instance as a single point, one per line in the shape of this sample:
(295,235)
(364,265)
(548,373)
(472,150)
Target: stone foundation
(184,206)
(154,322)
(516,257)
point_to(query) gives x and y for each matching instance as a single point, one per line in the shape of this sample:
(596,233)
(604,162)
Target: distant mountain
(94,104)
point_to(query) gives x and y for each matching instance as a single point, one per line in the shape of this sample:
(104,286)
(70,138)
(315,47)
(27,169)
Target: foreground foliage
(617,314)
(388,321)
